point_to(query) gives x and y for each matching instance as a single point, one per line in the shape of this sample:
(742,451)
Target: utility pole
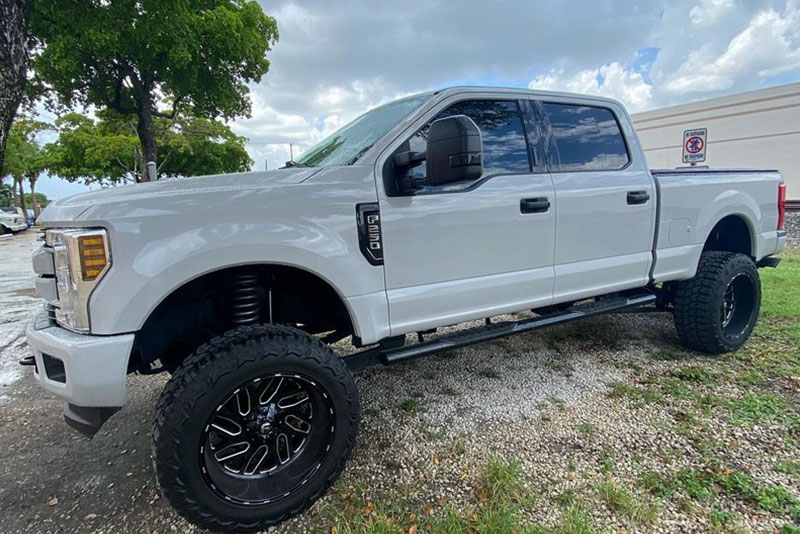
(291,152)
(266,167)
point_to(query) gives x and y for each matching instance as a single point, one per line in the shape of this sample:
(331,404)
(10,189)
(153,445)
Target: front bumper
(16,227)
(86,371)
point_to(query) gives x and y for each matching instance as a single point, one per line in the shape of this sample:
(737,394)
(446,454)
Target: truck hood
(97,204)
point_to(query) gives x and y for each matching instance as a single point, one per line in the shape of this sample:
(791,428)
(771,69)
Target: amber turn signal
(92,250)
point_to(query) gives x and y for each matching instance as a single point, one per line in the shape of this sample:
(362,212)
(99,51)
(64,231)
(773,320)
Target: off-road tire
(698,302)
(211,373)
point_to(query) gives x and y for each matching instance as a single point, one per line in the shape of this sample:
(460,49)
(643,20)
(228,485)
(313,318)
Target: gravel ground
(427,429)
(792,226)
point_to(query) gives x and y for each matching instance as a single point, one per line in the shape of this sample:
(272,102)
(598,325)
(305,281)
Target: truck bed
(692,200)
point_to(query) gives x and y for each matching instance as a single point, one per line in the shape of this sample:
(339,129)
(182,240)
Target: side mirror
(454,152)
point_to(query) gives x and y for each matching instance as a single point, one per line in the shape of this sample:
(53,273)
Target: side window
(587,138)
(504,148)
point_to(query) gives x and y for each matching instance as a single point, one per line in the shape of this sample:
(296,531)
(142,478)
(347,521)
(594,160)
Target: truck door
(605,196)
(471,250)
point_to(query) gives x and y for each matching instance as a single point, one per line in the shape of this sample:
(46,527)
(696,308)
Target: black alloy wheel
(267,438)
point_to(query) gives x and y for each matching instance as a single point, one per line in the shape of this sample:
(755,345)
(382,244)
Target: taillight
(781,205)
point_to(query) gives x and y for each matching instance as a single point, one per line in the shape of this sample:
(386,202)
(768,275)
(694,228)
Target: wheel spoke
(297,424)
(232,451)
(282,448)
(270,390)
(294,399)
(227,426)
(243,404)
(255,460)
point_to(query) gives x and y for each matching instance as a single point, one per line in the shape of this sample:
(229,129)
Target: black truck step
(492,331)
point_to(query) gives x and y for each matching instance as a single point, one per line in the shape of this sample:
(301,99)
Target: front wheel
(716,311)
(254,427)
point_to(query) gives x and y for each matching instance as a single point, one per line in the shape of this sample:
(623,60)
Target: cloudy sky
(336,59)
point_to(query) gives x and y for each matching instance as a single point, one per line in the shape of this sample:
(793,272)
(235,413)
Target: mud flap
(85,420)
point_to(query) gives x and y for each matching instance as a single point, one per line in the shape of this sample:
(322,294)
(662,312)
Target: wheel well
(212,304)
(731,234)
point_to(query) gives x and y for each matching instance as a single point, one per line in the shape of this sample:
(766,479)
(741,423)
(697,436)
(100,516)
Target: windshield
(348,144)
(9,210)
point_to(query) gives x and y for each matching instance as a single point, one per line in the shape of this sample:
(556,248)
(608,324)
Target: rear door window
(587,138)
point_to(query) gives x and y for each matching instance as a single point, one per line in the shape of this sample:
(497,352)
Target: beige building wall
(754,129)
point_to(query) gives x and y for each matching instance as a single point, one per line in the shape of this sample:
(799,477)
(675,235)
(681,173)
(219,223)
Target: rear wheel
(254,427)
(716,311)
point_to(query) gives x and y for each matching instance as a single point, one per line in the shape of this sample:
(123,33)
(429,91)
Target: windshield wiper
(292,163)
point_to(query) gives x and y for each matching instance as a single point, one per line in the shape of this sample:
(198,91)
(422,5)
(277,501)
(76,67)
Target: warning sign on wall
(694,145)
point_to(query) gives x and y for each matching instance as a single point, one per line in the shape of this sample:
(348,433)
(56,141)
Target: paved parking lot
(609,404)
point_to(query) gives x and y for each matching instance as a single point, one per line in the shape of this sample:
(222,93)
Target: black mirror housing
(454,151)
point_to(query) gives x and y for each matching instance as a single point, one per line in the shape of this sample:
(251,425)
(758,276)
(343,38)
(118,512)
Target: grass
(755,408)
(412,405)
(790,467)
(696,374)
(706,484)
(626,504)
(781,289)
(576,520)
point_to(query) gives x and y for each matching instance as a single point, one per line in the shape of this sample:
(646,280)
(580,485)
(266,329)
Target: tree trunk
(21,184)
(147,133)
(13,64)
(32,179)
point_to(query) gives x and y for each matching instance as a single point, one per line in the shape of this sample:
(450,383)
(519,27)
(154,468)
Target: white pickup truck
(440,208)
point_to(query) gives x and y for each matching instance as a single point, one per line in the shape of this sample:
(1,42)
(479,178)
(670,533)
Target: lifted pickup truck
(436,209)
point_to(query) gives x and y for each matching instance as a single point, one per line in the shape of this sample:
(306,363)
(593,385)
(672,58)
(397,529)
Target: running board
(493,331)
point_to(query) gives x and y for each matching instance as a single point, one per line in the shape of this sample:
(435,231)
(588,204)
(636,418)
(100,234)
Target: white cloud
(768,46)
(705,49)
(612,80)
(709,11)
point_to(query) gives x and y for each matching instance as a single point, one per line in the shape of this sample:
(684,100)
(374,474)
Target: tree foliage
(25,158)
(130,56)
(107,150)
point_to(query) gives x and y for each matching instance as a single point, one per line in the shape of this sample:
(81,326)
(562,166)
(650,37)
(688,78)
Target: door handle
(534,205)
(638,197)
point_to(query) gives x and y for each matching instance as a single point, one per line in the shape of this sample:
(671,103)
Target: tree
(36,200)
(13,65)
(107,151)
(5,193)
(24,157)
(124,55)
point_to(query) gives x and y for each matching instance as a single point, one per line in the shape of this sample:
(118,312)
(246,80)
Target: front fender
(159,246)
(135,285)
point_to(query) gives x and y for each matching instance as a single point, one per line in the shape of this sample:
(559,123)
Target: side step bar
(493,331)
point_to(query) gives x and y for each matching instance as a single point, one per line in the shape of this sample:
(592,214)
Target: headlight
(81,259)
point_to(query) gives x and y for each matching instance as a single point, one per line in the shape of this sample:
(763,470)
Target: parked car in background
(12,221)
